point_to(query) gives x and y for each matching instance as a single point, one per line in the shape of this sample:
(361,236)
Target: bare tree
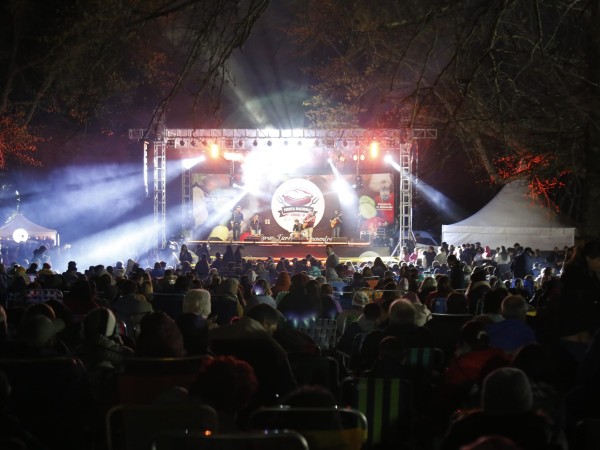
(515,81)
(78,60)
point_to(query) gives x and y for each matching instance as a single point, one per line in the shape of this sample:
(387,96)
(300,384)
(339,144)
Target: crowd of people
(518,332)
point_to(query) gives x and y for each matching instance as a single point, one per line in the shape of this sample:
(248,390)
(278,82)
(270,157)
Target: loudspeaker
(340,240)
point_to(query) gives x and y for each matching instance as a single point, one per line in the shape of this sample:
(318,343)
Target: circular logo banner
(294,199)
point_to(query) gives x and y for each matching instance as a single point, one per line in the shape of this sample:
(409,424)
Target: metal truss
(165,140)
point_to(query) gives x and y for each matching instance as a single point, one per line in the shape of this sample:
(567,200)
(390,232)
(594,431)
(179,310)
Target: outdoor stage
(359,251)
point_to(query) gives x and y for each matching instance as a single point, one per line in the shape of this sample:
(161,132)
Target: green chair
(387,406)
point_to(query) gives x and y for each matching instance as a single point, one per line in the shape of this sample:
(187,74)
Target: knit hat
(38,330)
(506,391)
(99,321)
(360,299)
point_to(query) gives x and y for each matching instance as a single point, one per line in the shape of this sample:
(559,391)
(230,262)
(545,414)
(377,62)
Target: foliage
(509,79)
(83,60)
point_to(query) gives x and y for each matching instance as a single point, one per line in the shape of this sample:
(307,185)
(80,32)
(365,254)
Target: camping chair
(144,379)
(323,428)
(387,406)
(268,440)
(316,370)
(135,427)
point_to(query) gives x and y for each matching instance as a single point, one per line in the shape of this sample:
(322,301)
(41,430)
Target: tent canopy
(513,216)
(34,231)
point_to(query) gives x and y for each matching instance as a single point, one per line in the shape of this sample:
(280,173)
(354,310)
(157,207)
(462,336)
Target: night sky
(94,182)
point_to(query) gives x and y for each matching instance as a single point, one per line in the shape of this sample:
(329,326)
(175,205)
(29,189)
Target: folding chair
(268,440)
(323,428)
(316,370)
(387,406)
(136,427)
(144,379)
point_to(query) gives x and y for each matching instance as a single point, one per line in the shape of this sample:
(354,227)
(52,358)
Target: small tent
(513,216)
(34,231)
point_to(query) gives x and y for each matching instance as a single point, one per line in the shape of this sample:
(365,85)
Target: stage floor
(299,249)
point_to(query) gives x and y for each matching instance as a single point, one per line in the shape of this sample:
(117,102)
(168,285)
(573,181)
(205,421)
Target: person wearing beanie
(359,299)
(423,315)
(506,410)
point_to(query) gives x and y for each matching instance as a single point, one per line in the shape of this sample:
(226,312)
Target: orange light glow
(214,151)
(374,148)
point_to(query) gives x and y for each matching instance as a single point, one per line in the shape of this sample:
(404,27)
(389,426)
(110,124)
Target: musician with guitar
(336,224)
(296,230)
(308,224)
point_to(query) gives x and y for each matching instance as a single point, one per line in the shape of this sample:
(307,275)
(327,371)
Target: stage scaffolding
(160,142)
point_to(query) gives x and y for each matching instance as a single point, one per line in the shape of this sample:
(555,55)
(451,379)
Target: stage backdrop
(364,209)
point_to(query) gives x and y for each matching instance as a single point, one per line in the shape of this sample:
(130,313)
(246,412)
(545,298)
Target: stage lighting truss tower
(164,141)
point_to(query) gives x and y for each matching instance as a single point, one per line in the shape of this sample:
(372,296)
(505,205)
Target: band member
(237,220)
(336,224)
(296,230)
(255,225)
(309,224)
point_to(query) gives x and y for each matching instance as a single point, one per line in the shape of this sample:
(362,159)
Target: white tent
(34,231)
(512,216)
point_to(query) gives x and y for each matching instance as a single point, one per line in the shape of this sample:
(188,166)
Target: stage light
(299,142)
(362,156)
(240,143)
(269,143)
(182,142)
(358,182)
(374,147)
(233,156)
(355,157)
(193,143)
(345,143)
(188,163)
(388,158)
(214,151)
(342,158)
(255,142)
(285,142)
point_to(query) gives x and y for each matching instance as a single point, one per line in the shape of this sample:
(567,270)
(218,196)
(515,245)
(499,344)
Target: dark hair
(457,303)
(473,333)
(492,300)
(263,313)
(159,337)
(372,311)
(225,383)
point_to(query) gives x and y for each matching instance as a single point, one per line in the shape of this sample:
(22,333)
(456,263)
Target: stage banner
(273,210)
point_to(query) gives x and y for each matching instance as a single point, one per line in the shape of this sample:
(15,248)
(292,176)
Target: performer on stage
(296,230)
(309,224)
(255,225)
(237,220)
(336,224)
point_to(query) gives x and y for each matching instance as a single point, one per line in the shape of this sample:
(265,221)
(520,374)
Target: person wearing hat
(359,299)
(506,410)
(36,336)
